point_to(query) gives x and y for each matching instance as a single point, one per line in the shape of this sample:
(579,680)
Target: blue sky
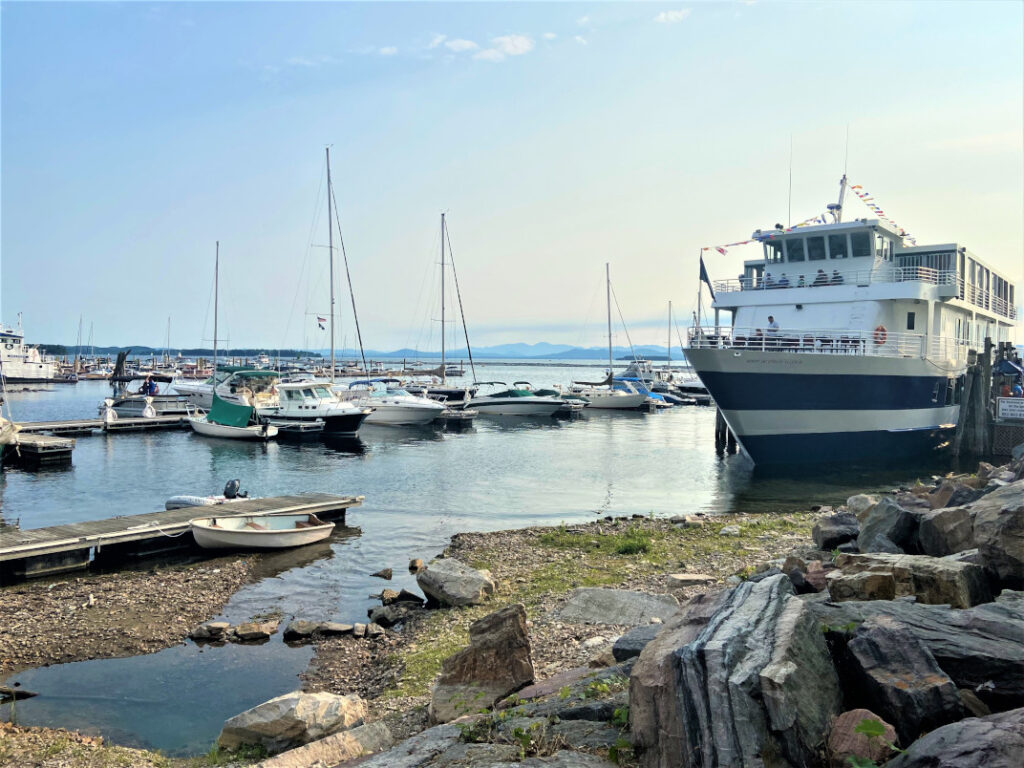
(557,136)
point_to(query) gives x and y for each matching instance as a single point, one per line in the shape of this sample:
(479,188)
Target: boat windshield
(322,391)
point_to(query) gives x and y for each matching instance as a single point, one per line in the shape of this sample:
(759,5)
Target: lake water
(421,487)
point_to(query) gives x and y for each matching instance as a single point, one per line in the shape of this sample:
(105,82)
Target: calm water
(421,486)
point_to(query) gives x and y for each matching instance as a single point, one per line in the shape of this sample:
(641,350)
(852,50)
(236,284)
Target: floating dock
(44,551)
(39,451)
(87,426)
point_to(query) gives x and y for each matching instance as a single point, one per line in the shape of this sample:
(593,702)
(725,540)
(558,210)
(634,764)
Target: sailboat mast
(608,291)
(330,251)
(443,371)
(668,345)
(216,293)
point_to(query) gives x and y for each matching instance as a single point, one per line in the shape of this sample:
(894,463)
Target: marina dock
(36,451)
(44,551)
(87,426)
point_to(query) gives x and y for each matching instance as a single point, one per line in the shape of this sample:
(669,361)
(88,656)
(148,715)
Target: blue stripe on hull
(834,447)
(822,392)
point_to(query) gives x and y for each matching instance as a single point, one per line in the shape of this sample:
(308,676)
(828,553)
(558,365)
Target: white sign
(1010,408)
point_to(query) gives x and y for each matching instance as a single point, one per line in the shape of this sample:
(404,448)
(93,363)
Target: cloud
(437,40)
(550,35)
(513,45)
(460,45)
(300,61)
(388,50)
(672,17)
(489,54)
(580,39)
(505,45)
(583,21)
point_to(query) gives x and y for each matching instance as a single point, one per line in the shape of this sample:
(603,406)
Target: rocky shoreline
(609,643)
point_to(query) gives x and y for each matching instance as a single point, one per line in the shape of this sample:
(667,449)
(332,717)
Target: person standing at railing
(837,279)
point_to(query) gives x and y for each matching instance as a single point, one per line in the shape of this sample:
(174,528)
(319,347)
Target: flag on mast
(705,279)
(320,321)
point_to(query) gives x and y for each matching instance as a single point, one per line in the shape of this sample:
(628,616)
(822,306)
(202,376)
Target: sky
(556,137)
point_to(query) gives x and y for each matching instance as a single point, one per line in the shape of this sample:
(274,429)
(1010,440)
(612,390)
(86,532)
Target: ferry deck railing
(774,278)
(876,343)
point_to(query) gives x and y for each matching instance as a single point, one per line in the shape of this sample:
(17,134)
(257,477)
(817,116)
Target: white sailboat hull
(402,415)
(210,429)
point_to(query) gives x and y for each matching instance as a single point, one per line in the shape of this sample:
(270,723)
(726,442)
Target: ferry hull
(788,408)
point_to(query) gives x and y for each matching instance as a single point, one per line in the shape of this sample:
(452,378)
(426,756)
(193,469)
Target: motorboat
(233,421)
(512,402)
(861,354)
(436,390)
(390,404)
(304,402)
(572,403)
(200,393)
(268,531)
(231,493)
(609,396)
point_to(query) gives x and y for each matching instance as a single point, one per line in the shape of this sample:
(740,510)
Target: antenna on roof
(836,209)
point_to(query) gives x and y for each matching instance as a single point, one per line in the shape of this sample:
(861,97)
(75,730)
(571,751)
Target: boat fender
(880,335)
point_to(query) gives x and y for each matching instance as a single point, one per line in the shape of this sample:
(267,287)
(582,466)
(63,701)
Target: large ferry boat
(22,364)
(845,342)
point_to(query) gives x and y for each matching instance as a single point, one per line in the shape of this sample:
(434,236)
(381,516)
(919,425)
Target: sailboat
(224,419)
(605,394)
(440,390)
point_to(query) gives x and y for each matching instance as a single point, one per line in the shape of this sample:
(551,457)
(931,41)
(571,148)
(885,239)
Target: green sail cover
(228,414)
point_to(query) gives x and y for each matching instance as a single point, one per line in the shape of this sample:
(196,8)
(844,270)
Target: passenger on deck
(149,387)
(821,278)
(783,281)
(837,279)
(801,283)
(769,281)
(773,326)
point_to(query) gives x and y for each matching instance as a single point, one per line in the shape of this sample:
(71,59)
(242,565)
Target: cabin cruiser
(436,389)
(22,364)
(283,404)
(390,404)
(200,393)
(847,341)
(512,402)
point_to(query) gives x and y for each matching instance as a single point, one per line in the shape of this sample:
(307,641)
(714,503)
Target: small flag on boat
(704,277)
(320,321)
(721,250)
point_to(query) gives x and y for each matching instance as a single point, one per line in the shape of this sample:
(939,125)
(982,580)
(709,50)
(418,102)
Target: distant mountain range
(540,351)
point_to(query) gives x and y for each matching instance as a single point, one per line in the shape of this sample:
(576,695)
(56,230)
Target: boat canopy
(229,414)
(363,382)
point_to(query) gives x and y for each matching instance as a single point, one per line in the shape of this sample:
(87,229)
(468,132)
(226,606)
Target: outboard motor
(231,490)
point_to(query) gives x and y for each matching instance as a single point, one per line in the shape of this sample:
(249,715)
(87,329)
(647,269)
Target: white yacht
(845,342)
(200,393)
(391,405)
(22,364)
(512,402)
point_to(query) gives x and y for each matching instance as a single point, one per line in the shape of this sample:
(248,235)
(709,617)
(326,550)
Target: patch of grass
(245,754)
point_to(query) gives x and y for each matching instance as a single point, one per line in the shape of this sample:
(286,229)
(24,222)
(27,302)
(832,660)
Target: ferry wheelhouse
(843,342)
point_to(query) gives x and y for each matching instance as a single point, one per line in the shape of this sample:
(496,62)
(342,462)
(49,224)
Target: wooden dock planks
(36,542)
(84,426)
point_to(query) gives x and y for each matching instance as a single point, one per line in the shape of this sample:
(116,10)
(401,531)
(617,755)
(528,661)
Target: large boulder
(446,581)
(979,648)
(417,751)
(900,679)
(291,720)
(496,663)
(999,533)
(633,642)
(829,532)
(861,503)
(880,576)
(996,741)
(945,531)
(595,605)
(757,680)
(845,742)
(366,739)
(886,527)
(655,706)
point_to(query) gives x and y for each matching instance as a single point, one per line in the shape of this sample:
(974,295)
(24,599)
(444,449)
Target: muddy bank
(112,615)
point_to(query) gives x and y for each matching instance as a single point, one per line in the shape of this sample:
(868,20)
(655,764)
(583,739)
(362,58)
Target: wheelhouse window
(773,252)
(837,247)
(816,248)
(795,250)
(860,244)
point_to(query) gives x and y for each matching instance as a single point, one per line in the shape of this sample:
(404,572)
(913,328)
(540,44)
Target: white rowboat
(259,531)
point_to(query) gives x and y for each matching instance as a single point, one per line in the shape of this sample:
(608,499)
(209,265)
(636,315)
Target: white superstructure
(21,363)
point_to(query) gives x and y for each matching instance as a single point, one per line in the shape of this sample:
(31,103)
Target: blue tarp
(1008,368)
